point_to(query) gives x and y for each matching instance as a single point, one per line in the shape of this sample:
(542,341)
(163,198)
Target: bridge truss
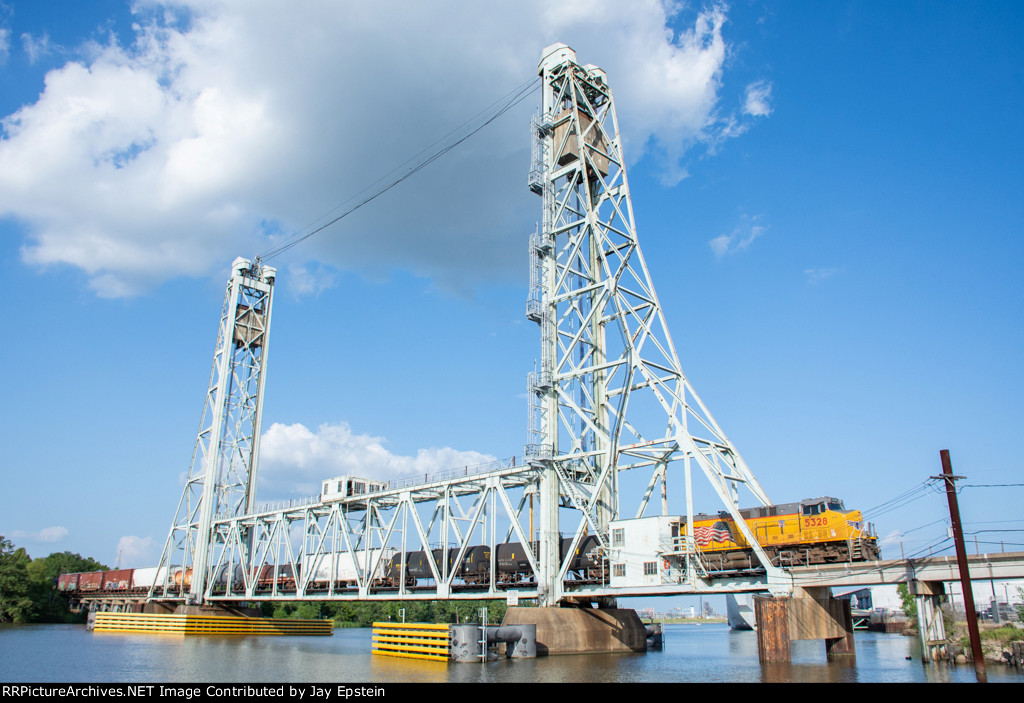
(608,401)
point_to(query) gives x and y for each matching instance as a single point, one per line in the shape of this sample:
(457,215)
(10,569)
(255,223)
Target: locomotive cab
(818,506)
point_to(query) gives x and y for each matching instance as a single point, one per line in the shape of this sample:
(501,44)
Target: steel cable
(506,103)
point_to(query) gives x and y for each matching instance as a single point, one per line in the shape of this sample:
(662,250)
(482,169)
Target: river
(692,653)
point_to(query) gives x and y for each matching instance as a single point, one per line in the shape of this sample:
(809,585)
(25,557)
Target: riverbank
(996,640)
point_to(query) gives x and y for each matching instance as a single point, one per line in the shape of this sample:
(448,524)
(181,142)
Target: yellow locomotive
(812,531)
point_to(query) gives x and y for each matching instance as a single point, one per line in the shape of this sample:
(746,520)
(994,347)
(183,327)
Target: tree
(43,573)
(16,603)
(49,568)
(28,587)
(909,602)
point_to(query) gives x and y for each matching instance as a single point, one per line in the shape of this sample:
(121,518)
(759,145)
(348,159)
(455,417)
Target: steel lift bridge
(612,420)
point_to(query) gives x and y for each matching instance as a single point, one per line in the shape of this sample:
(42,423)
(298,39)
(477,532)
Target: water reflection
(708,653)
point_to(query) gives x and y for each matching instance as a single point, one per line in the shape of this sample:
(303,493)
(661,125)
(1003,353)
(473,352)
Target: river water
(692,653)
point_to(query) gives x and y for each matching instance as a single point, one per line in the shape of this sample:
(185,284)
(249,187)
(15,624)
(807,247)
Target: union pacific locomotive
(811,531)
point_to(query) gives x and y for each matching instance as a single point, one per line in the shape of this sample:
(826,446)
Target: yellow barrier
(411,640)
(171,624)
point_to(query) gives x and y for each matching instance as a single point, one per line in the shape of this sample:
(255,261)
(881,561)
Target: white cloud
(35,48)
(5,44)
(309,280)
(759,95)
(212,136)
(47,534)
(134,552)
(741,237)
(294,459)
(891,540)
(820,274)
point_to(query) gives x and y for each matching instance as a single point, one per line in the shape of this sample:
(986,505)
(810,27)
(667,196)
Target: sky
(828,196)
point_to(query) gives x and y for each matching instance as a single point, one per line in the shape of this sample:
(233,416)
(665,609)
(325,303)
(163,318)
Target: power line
(943,520)
(903,499)
(992,485)
(503,105)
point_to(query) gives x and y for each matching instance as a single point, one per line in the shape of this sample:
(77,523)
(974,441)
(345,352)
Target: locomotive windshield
(817,506)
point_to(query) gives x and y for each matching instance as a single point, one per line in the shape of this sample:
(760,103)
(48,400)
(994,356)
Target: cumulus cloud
(134,552)
(739,239)
(294,459)
(210,135)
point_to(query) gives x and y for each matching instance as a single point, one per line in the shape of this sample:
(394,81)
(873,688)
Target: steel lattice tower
(222,476)
(610,394)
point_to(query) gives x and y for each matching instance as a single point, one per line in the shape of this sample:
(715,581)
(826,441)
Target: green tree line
(365,613)
(28,587)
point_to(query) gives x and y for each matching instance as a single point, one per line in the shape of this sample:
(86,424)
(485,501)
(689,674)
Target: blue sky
(828,197)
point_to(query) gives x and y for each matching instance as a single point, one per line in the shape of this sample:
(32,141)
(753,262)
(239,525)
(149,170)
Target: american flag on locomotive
(719,532)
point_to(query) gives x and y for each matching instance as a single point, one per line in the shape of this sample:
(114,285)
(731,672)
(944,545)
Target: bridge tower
(609,395)
(221,481)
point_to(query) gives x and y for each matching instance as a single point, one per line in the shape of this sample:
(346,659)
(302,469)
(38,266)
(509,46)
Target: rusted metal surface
(772,629)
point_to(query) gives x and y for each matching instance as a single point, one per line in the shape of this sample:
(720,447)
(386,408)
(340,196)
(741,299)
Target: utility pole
(961,560)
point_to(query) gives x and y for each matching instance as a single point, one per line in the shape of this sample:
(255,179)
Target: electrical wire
(992,485)
(923,526)
(489,115)
(903,499)
(909,492)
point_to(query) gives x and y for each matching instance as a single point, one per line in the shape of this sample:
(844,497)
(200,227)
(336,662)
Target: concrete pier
(581,630)
(811,614)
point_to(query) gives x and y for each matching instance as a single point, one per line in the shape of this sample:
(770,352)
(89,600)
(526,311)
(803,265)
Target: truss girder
(365,534)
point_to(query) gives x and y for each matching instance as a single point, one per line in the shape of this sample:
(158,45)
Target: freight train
(512,566)
(813,531)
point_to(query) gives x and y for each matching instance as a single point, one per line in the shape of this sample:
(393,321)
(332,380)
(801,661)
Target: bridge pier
(930,623)
(581,630)
(810,614)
